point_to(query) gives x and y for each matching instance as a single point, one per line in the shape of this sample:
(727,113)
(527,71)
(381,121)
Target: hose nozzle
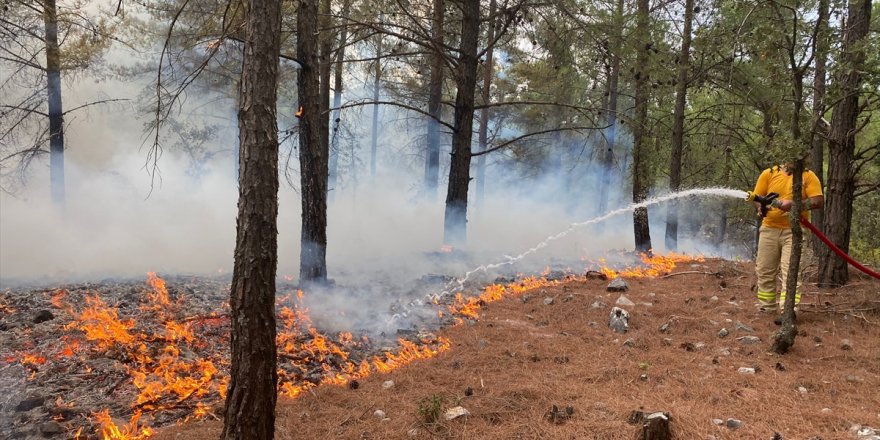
(764,201)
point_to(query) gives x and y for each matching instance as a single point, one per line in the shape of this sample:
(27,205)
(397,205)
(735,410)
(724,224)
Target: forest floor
(524,355)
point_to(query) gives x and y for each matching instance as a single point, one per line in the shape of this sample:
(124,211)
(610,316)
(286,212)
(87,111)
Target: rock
(413,432)
(629,343)
(594,275)
(853,378)
(723,333)
(749,340)
(744,328)
(746,370)
(549,301)
(379,414)
(454,413)
(617,285)
(733,423)
(618,320)
(802,390)
(718,422)
(713,299)
(598,305)
(388,384)
(568,298)
(664,328)
(826,411)
(43,316)
(29,404)
(846,344)
(51,428)
(624,302)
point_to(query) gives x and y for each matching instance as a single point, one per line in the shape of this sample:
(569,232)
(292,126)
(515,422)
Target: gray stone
(723,333)
(454,413)
(617,285)
(733,423)
(744,328)
(598,305)
(379,414)
(749,340)
(624,302)
(30,403)
(43,316)
(718,422)
(629,343)
(746,370)
(664,328)
(548,301)
(388,384)
(826,411)
(618,320)
(846,344)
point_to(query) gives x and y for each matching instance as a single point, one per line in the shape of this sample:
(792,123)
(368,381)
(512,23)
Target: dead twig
(690,272)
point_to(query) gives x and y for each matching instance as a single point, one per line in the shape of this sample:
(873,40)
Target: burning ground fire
(171,365)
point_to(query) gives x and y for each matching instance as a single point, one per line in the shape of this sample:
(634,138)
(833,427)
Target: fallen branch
(691,272)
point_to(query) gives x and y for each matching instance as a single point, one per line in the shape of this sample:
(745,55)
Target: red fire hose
(837,250)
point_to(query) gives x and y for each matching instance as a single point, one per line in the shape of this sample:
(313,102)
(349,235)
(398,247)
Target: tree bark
(455,220)
(250,402)
(313,148)
(783,340)
(488,73)
(819,131)
(435,95)
(641,228)
(56,111)
(841,149)
(611,113)
(678,127)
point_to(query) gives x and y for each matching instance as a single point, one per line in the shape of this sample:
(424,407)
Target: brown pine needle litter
(519,359)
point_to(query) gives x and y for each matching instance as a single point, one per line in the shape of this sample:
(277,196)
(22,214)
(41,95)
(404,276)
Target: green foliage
(430,408)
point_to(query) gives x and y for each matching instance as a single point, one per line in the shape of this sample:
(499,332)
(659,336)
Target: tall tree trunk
(455,220)
(333,167)
(641,228)
(611,112)
(819,131)
(488,73)
(313,148)
(678,127)
(250,402)
(435,95)
(374,134)
(56,111)
(841,149)
(783,340)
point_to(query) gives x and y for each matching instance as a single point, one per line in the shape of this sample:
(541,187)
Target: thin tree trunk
(250,402)
(678,127)
(783,340)
(641,228)
(611,113)
(333,168)
(313,148)
(455,220)
(820,131)
(435,95)
(485,96)
(374,134)
(841,173)
(56,111)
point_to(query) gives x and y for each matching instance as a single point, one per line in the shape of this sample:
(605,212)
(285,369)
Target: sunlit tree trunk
(841,148)
(250,402)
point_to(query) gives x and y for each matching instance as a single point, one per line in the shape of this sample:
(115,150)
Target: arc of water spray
(458,284)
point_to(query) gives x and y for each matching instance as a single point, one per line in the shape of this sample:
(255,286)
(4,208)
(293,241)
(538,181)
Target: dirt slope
(523,356)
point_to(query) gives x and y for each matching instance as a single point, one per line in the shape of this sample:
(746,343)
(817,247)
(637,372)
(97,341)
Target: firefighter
(774,238)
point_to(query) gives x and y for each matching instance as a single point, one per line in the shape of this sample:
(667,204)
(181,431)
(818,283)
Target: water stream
(458,284)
